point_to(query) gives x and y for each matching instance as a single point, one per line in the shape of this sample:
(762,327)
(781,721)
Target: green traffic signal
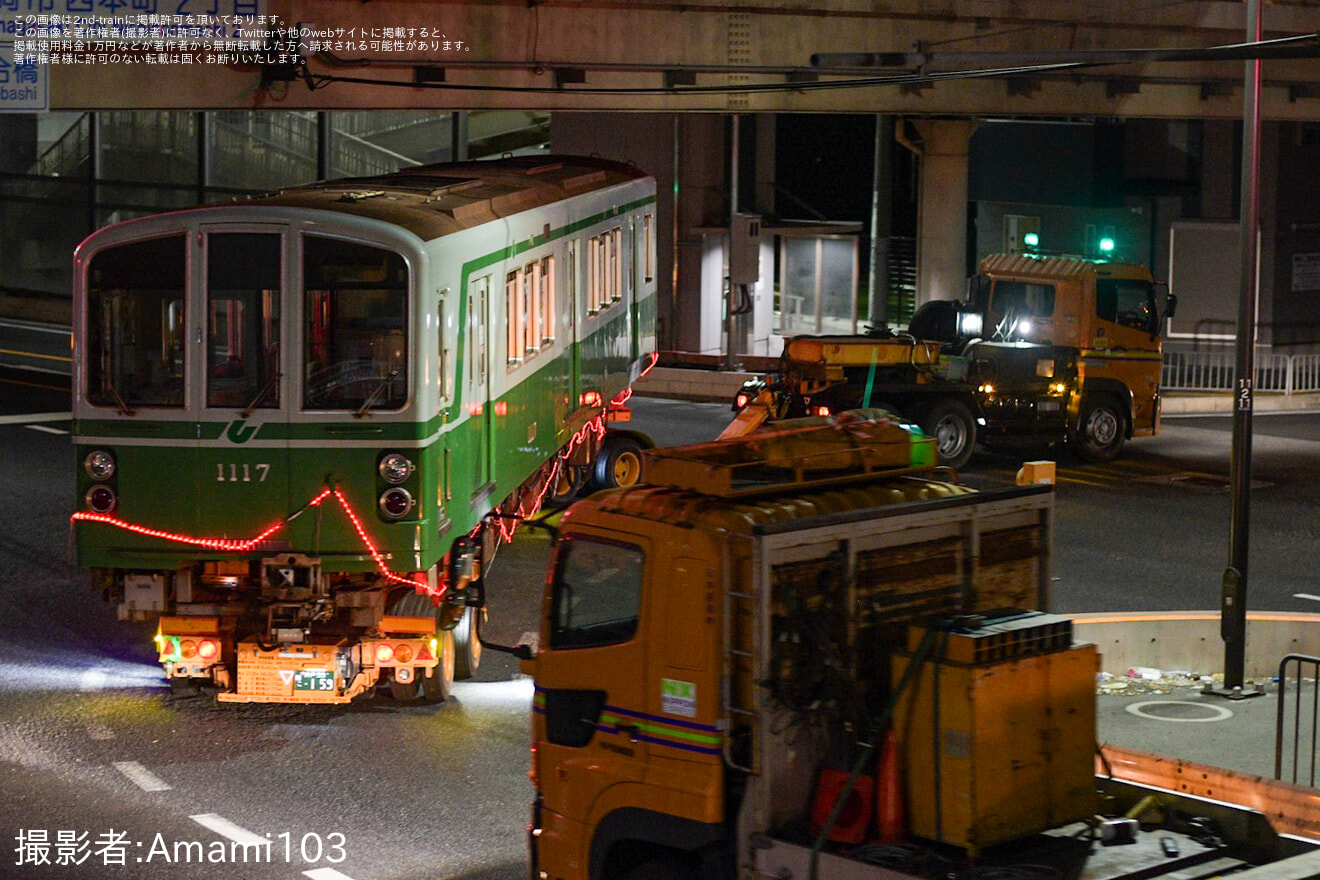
(1106,245)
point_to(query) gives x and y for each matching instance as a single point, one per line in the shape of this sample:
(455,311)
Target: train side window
(355,326)
(595,273)
(548,309)
(615,282)
(135,324)
(648,248)
(243,281)
(514,317)
(532,304)
(597,593)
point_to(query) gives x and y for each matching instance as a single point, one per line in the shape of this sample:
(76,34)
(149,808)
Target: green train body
(320,404)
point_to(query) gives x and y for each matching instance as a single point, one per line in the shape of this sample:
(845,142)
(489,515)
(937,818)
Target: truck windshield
(135,320)
(1127,301)
(355,313)
(597,593)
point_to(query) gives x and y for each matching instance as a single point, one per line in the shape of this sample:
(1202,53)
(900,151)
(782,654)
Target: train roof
(435,200)
(1057,267)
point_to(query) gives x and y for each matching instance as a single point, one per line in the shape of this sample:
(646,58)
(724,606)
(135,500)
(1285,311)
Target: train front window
(243,320)
(355,324)
(135,324)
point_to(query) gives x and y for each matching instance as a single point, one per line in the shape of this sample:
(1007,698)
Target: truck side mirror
(1170,304)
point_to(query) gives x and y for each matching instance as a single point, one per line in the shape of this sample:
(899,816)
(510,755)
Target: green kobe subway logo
(239,432)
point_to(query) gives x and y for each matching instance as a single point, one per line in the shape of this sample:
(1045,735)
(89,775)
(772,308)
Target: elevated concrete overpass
(747,56)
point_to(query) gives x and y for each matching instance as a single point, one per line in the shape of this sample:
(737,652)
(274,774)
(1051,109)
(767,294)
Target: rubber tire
(567,486)
(437,687)
(467,644)
(1101,429)
(618,464)
(953,425)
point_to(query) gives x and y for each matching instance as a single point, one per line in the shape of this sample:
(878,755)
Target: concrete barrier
(1190,641)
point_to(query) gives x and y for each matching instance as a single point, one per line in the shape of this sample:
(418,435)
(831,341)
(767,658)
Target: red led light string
(237,546)
(224,544)
(375,554)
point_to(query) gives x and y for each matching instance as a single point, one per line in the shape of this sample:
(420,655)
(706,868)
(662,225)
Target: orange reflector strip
(397,624)
(175,626)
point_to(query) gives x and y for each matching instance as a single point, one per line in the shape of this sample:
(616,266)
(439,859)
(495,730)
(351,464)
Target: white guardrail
(1217,371)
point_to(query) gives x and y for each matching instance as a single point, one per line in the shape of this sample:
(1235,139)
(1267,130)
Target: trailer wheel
(1101,429)
(467,644)
(618,464)
(436,687)
(953,426)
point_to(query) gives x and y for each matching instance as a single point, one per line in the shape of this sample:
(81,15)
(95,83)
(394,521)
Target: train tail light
(395,503)
(101,498)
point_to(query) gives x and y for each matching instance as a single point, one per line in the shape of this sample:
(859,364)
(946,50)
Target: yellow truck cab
(1103,315)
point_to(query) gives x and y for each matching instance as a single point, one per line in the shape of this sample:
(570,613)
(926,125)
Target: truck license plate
(1048,406)
(313,680)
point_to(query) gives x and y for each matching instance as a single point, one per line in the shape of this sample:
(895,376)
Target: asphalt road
(99,761)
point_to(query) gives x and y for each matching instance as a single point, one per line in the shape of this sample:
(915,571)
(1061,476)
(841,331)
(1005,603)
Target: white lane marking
(326,874)
(43,429)
(222,826)
(141,776)
(23,419)
(92,679)
(99,730)
(1310,596)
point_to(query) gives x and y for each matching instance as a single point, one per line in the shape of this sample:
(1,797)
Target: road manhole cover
(1179,710)
(1196,480)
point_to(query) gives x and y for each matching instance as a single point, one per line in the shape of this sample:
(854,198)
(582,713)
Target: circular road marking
(1217,713)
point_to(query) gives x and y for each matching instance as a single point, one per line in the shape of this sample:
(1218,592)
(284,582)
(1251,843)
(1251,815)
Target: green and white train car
(304,421)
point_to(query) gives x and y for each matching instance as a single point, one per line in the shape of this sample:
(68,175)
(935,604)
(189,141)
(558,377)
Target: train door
(572,297)
(243,472)
(478,378)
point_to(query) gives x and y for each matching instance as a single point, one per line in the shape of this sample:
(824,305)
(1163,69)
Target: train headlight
(101,499)
(99,464)
(395,468)
(395,503)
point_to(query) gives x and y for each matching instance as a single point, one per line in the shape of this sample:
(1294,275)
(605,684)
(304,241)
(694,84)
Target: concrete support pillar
(942,218)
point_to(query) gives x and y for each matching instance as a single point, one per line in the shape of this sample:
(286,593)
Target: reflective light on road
(498,694)
(29,676)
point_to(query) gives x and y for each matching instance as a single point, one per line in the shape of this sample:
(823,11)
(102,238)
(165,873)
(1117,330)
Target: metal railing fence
(1217,371)
(1303,763)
